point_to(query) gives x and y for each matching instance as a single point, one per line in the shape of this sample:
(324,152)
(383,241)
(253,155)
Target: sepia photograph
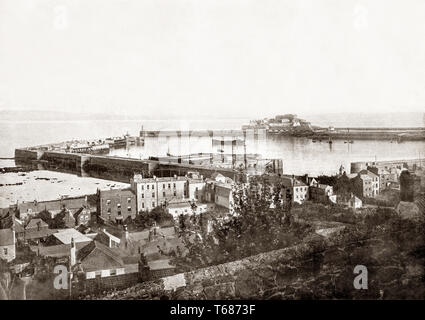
(235,151)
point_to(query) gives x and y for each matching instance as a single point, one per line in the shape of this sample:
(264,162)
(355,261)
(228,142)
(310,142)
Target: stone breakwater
(110,167)
(320,268)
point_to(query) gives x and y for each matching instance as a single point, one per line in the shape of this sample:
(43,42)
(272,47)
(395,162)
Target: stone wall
(89,286)
(318,269)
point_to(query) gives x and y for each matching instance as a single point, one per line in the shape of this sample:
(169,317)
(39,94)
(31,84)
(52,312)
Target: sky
(223,58)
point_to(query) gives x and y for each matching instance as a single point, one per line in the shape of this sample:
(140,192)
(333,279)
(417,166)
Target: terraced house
(154,192)
(367,184)
(117,205)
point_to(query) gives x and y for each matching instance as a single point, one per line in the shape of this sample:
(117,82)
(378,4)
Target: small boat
(313,140)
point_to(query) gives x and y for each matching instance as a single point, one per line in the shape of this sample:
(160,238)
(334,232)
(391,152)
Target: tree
(261,222)
(156,215)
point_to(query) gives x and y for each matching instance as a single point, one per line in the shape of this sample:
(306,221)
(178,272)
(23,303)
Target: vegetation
(261,222)
(58,222)
(157,215)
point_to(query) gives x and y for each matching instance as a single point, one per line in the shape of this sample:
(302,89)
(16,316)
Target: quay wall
(28,155)
(117,168)
(114,168)
(192,133)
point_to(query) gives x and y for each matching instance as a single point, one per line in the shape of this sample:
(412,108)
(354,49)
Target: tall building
(154,192)
(117,205)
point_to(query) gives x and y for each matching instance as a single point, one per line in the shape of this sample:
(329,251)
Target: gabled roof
(96,256)
(368,172)
(57,251)
(19,228)
(79,211)
(6,237)
(33,224)
(104,237)
(292,182)
(37,234)
(6,220)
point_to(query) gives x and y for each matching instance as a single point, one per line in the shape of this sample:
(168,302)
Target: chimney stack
(73,256)
(126,236)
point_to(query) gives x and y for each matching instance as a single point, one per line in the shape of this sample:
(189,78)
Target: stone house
(82,216)
(366,184)
(117,205)
(7,245)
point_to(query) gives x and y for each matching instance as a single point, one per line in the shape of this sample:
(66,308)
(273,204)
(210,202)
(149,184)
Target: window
(163,194)
(118,205)
(153,204)
(174,185)
(143,187)
(5,251)
(108,202)
(163,186)
(129,209)
(147,187)
(143,195)
(143,204)
(153,194)
(169,186)
(153,186)
(119,212)
(128,200)
(109,210)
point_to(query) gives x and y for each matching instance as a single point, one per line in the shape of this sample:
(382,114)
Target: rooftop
(96,256)
(65,236)
(140,179)
(6,237)
(57,251)
(36,223)
(117,192)
(160,264)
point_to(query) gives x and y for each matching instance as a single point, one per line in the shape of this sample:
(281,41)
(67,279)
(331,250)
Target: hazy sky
(221,57)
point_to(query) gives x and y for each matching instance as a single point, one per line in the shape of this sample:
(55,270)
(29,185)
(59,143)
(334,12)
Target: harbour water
(299,155)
